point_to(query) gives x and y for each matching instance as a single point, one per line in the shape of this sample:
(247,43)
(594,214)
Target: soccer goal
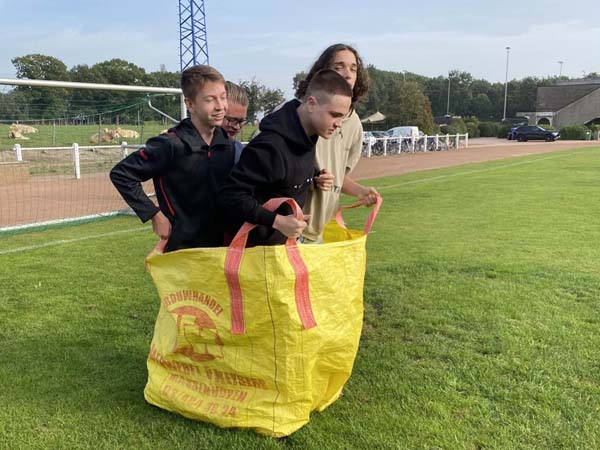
(59,140)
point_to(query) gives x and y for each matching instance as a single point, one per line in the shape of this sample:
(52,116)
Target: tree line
(409,98)
(28,103)
(405,98)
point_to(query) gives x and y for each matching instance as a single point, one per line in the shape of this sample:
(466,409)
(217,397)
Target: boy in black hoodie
(280,161)
(188,164)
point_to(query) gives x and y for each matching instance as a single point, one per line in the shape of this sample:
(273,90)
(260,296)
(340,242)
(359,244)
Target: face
(327,115)
(209,105)
(234,119)
(344,63)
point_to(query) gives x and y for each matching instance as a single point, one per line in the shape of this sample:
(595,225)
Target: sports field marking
(69,241)
(442,177)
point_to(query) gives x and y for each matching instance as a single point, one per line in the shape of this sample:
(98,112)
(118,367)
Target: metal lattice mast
(193,45)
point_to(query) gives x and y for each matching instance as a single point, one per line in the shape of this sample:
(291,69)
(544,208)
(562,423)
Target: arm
(128,175)
(368,195)
(259,169)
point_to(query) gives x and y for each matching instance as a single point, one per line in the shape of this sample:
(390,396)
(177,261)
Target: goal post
(54,170)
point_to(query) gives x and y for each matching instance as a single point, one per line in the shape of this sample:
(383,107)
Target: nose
(221,104)
(346,73)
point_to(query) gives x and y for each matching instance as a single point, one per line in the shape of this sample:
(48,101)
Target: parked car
(368,137)
(379,134)
(528,132)
(404,132)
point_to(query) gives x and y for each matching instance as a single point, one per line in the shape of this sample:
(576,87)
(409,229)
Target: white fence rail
(372,147)
(75,152)
(398,145)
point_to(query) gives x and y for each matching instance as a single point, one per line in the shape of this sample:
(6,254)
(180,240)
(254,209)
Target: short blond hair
(236,94)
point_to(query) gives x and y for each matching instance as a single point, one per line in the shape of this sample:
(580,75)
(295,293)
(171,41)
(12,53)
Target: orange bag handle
(370,219)
(234,260)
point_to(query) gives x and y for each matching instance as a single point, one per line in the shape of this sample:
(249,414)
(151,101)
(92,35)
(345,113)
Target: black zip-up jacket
(187,174)
(279,162)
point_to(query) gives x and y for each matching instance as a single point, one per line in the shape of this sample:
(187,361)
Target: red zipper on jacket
(162,189)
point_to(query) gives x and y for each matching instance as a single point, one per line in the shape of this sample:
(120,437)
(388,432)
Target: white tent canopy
(377,117)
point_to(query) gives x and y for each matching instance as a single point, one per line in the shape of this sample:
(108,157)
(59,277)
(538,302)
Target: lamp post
(506,84)
(448,104)
(560,71)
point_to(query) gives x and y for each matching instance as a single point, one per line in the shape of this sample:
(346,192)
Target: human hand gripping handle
(370,219)
(368,196)
(290,226)
(324,180)
(233,262)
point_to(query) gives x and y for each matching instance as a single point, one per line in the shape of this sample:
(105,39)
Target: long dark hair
(361,87)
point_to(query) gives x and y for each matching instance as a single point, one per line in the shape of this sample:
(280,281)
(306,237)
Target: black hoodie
(279,162)
(187,174)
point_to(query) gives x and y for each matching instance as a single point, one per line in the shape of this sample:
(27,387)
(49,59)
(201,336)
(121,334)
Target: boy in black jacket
(280,161)
(187,165)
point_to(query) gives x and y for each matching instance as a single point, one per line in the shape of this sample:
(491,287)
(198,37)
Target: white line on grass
(441,177)
(69,241)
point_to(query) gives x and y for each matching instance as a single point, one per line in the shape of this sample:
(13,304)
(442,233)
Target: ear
(312,103)
(188,103)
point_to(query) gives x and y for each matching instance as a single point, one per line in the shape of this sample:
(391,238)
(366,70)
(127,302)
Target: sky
(272,40)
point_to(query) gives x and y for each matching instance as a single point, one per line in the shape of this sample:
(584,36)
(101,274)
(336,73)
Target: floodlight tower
(193,45)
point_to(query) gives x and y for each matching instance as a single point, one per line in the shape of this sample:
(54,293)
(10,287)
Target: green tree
(42,103)
(408,105)
(117,105)
(297,79)
(260,98)
(481,106)
(270,99)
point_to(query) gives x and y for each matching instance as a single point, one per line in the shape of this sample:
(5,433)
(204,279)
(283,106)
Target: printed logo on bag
(197,334)
(203,388)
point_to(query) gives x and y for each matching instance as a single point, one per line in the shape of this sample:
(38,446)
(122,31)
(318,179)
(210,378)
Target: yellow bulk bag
(258,337)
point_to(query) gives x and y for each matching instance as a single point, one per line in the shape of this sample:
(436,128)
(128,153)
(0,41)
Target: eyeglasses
(235,121)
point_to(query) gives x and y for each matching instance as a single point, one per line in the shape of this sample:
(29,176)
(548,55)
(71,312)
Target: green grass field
(482,324)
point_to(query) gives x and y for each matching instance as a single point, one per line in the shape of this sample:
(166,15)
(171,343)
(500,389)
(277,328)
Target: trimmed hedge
(457,126)
(472,129)
(574,132)
(503,131)
(547,127)
(488,129)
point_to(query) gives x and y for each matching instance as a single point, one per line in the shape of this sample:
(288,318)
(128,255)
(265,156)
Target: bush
(488,129)
(503,131)
(574,132)
(472,129)
(471,119)
(457,126)
(547,127)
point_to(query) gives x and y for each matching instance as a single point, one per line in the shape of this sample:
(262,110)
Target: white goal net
(54,167)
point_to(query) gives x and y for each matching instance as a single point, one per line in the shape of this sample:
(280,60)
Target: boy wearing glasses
(188,164)
(235,118)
